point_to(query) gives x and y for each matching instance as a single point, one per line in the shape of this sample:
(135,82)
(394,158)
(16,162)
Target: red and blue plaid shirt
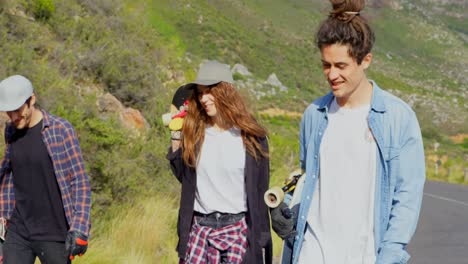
(64,150)
(207,245)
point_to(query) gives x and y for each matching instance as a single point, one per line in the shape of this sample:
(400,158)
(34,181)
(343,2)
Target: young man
(362,151)
(44,189)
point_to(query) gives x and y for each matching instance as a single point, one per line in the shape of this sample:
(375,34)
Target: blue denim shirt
(400,173)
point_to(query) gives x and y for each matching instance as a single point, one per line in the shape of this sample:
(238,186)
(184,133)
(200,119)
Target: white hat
(14,91)
(213,72)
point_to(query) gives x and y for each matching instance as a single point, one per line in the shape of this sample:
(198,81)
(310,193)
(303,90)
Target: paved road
(442,233)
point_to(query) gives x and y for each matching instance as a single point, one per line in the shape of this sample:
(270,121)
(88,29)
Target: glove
(76,244)
(3,228)
(282,221)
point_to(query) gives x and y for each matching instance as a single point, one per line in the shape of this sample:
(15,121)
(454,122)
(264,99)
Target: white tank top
(220,173)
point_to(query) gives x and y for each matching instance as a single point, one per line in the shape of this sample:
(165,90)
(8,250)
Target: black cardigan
(257,176)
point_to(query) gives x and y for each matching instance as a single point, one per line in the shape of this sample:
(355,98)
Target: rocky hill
(111,66)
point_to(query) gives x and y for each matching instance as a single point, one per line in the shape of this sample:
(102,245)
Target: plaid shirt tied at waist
(207,245)
(64,150)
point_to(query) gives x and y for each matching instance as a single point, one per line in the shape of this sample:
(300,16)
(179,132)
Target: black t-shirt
(39,213)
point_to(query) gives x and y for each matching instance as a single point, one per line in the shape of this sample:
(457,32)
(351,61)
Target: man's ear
(366,61)
(32,101)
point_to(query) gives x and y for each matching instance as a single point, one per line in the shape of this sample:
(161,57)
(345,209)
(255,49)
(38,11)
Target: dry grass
(142,234)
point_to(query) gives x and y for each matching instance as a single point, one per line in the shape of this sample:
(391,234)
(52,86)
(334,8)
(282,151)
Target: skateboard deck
(275,195)
(178,108)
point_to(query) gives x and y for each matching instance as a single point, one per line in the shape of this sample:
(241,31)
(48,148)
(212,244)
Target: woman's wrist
(176,135)
(175,144)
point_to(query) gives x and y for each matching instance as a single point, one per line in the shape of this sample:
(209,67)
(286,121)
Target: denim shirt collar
(323,104)
(377,102)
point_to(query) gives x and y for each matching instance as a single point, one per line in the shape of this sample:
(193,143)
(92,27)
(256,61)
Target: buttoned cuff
(392,254)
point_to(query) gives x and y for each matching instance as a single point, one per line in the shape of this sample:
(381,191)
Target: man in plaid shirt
(44,190)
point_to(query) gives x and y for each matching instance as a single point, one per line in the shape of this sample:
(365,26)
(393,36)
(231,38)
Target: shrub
(465,144)
(237,76)
(43,9)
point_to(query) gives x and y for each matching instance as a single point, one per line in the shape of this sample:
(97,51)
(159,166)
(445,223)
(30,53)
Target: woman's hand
(175,139)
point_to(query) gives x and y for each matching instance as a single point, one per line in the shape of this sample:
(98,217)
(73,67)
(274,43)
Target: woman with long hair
(221,160)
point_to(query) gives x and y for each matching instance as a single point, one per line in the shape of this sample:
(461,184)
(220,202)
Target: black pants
(18,250)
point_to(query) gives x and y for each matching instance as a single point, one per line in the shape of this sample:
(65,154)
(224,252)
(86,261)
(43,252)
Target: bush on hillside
(102,7)
(465,144)
(42,9)
(110,49)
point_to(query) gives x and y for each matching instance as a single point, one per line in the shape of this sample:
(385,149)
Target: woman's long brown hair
(233,112)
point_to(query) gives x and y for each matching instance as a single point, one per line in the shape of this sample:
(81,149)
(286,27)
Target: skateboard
(275,196)
(174,119)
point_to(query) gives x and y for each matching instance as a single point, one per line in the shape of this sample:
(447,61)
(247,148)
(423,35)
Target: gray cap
(14,91)
(213,72)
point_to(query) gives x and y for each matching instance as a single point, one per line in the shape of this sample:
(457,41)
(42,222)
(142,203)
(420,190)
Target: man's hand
(283,221)
(76,244)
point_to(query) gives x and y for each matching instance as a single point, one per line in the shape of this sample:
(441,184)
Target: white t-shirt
(220,173)
(340,220)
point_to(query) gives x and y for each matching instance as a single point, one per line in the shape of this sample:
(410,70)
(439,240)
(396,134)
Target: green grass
(277,36)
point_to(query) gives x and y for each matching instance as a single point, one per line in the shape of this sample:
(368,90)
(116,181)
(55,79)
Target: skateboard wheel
(273,197)
(166,118)
(176,124)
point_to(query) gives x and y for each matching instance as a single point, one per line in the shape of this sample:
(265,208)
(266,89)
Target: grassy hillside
(140,51)
(414,54)
(419,57)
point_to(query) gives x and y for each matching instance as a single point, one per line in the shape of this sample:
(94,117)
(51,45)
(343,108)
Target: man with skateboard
(362,151)
(44,190)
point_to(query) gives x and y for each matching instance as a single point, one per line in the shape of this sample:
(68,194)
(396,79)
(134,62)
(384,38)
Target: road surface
(442,233)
